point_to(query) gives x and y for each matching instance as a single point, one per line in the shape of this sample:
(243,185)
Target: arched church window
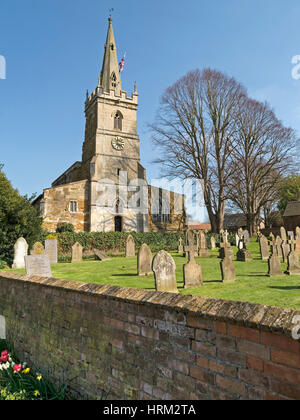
(114,80)
(118,121)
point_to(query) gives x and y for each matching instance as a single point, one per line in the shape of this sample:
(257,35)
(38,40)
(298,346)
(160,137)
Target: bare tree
(194,129)
(262,154)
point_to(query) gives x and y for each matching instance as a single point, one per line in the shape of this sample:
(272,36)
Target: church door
(118,224)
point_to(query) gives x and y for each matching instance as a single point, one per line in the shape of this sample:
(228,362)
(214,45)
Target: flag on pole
(122,63)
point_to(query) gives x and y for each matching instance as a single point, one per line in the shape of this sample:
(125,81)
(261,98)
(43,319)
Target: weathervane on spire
(111,12)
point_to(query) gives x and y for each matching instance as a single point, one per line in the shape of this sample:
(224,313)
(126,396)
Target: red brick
(231,386)
(221,327)
(243,332)
(286,390)
(286,358)
(272,397)
(150,333)
(237,359)
(205,349)
(202,362)
(254,378)
(116,343)
(282,373)
(131,328)
(223,369)
(255,364)
(197,322)
(256,394)
(257,350)
(281,342)
(202,375)
(179,366)
(216,394)
(184,355)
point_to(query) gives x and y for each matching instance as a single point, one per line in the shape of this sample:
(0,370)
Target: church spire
(110,76)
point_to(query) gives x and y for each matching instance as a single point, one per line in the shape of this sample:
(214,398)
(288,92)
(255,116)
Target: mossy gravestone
(192,271)
(37,249)
(38,265)
(164,269)
(264,248)
(227,268)
(21,250)
(130,247)
(77,253)
(144,261)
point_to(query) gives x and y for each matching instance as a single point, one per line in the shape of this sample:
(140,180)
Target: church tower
(111,144)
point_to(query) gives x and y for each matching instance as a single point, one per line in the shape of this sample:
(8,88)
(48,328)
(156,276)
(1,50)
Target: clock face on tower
(118,143)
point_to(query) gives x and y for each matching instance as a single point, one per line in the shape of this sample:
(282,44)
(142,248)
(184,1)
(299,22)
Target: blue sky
(54,52)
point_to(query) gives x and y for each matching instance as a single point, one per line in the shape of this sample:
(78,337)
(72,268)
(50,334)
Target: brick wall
(140,344)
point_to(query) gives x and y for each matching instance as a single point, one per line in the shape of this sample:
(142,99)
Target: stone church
(110,153)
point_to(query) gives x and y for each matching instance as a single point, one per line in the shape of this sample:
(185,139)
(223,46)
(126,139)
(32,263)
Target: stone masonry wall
(140,344)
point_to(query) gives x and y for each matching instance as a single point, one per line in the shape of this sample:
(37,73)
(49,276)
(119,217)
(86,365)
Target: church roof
(293,209)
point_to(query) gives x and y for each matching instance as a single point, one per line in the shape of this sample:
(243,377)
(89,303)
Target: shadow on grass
(129,275)
(285,287)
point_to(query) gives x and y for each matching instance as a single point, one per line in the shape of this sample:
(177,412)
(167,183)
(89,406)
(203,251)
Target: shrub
(2,265)
(64,227)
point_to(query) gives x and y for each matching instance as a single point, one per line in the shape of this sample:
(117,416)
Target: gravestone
(278,243)
(213,243)
(203,251)
(272,237)
(51,250)
(180,246)
(227,269)
(38,265)
(37,249)
(144,261)
(286,249)
(246,237)
(21,250)
(243,253)
(225,247)
(237,240)
(99,255)
(283,234)
(192,271)
(298,240)
(77,253)
(264,248)
(130,247)
(293,261)
(190,241)
(274,262)
(164,269)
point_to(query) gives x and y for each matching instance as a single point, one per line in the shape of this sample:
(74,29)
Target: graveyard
(252,282)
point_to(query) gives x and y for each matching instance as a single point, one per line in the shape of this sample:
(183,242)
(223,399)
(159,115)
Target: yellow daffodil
(39,378)
(36,393)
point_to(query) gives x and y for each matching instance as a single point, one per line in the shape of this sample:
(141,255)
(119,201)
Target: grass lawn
(252,284)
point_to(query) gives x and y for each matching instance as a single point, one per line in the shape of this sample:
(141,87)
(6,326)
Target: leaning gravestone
(21,250)
(227,268)
(130,247)
(38,265)
(77,253)
(293,264)
(100,255)
(283,234)
(286,249)
(37,249)
(144,261)
(264,248)
(164,269)
(51,250)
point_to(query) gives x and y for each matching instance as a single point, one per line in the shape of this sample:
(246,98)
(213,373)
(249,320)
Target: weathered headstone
(101,256)
(130,247)
(37,249)
(21,250)
(190,242)
(264,248)
(180,246)
(283,234)
(51,250)
(77,253)
(246,237)
(164,269)
(237,240)
(144,261)
(298,240)
(293,261)
(213,243)
(192,271)
(38,265)
(227,268)
(243,253)
(278,243)
(286,249)
(225,247)
(203,251)
(274,262)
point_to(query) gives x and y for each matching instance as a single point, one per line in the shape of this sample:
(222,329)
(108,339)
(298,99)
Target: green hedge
(116,241)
